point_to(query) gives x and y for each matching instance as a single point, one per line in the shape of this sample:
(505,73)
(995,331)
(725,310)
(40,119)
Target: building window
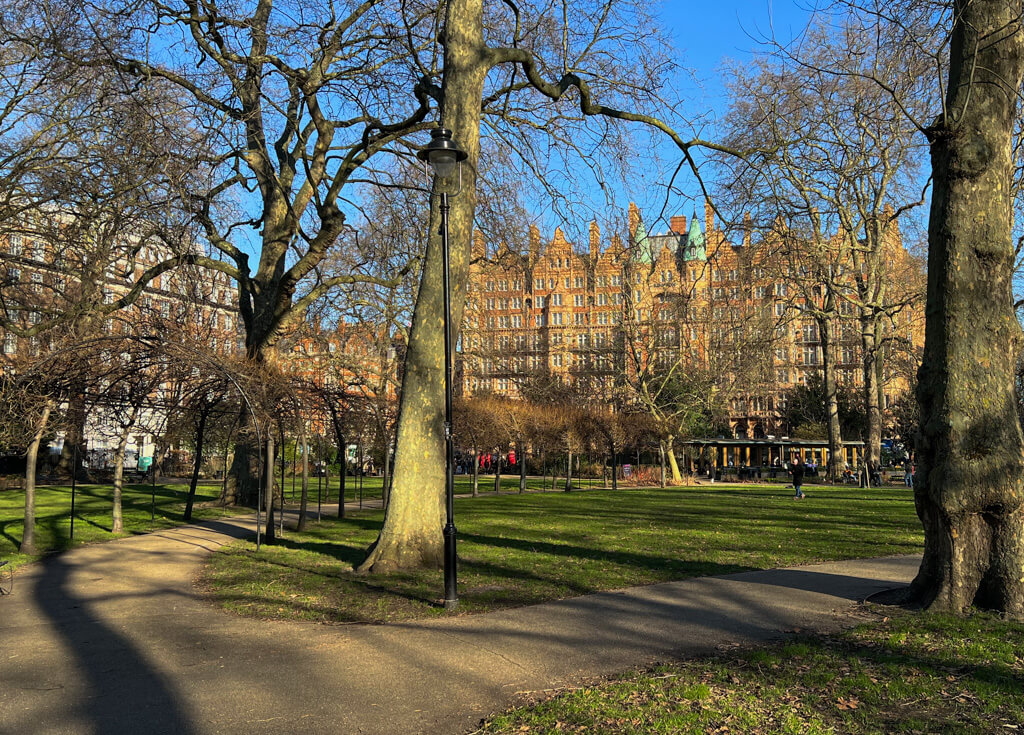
(577,299)
(10,344)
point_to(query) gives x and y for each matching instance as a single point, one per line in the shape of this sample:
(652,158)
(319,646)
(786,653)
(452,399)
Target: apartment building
(43,278)
(623,311)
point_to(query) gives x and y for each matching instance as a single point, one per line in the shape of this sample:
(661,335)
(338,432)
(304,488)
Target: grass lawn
(906,674)
(370,487)
(523,549)
(93,505)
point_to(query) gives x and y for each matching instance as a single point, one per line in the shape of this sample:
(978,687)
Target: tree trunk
(73,451)
(670,451)
(122,443)
(241,487)
(342,472)
(970,475)
(568,472)
(521,454)
(615,469)
(661,463)
(28,537)
(269,535)
(339,436)
(828,370)
(869,350)
(497,475)
(196,466)
(476,473)
(304,494)
(411,535)
(385,470)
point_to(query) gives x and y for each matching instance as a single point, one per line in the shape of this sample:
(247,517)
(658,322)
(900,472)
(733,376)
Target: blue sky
(706,35)
(708,32)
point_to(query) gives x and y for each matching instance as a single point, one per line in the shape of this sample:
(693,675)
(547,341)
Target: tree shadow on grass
(624,558)
(15,542)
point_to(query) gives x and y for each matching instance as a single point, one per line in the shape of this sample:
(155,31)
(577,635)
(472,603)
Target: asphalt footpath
(114,638)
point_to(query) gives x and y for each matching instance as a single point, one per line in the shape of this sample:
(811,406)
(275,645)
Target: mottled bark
(411,536)
(241,487)
(971,459)
(476,473)
(28,537)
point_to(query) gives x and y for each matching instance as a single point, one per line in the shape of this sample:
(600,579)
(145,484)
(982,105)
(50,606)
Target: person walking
(797,470)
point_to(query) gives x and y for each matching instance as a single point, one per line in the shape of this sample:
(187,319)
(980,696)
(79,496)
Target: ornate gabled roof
(695,242)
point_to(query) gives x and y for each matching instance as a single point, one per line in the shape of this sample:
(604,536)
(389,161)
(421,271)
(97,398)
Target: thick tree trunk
(73,451)
(196,466)
(615,469)
(568,472)
(411,536)
(970,480)
(28,536)
(241,487)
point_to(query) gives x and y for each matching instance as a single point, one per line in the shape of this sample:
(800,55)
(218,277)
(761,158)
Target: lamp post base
(451,595)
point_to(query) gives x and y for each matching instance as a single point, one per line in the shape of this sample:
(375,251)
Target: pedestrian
(908,472)
(797,470)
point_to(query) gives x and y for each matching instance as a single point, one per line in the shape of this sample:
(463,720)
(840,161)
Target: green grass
(907,674)
(93,505)
(524,549)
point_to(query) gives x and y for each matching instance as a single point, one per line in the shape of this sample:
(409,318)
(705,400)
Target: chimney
(534,242)
(678,224)
(479,246)
(634,218)
(709,217)
(747,227)
(595,239)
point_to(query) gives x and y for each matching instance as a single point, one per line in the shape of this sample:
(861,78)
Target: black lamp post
(444,155)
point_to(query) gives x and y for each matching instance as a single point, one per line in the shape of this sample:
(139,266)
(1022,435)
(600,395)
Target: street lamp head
(442,153)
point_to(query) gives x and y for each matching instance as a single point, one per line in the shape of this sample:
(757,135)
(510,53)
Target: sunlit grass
(907,674)
(144,507)
(523,549)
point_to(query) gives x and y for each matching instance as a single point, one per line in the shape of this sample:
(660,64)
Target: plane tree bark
(970,481)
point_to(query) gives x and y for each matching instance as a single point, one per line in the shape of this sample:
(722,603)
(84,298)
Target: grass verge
(906,674)
(523,549)
(144,507)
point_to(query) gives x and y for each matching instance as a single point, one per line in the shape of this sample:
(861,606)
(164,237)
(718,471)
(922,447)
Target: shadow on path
(125,693)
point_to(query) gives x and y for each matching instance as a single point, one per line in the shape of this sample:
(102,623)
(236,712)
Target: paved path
(112,638)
